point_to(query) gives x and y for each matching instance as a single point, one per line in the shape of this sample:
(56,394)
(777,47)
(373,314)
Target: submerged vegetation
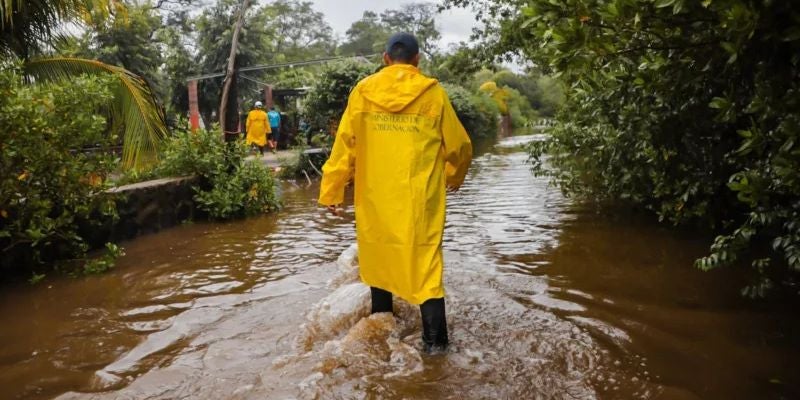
(688,109)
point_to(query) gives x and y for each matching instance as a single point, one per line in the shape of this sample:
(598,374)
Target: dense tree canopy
(300,32)
(30,30)
(327,99)
(369,34)
(46,193)
(689,109)
(127,42)
(365,36)
(418,19)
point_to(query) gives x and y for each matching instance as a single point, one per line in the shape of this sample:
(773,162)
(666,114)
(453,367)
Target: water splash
(499,346)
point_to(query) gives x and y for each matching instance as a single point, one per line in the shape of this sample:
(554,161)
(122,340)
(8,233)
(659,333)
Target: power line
(279,65)
(254,80)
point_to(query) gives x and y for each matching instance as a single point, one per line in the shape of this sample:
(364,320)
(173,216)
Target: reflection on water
(546,299)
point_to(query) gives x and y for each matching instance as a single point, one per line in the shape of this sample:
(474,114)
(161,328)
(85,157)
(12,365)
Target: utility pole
(228,116)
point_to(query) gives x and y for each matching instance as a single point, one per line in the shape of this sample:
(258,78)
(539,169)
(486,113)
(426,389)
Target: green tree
(478,113)
(127,42)
(551,96)
(459,65)
(365,36)
(327,99)
(300,32)
(368,35)
(30,26)
(418,19)
(541,92)
(229,185)
(48,190)
(178,66)
(213,35)
(688,109)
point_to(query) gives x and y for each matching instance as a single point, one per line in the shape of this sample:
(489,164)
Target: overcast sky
(455,25)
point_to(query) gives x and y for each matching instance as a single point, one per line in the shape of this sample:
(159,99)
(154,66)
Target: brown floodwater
(547,299)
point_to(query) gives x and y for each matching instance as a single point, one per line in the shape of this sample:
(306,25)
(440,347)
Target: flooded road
(546,300)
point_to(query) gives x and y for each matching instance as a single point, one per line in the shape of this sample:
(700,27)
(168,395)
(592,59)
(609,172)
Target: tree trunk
(229,120)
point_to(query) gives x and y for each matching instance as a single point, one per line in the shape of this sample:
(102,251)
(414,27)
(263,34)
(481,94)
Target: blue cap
(406,39)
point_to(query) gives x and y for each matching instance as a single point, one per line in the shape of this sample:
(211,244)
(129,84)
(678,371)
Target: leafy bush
(327,99)
(49,183)
(229,184)
(478,113)
(688,109)
(522,114)
(542,93)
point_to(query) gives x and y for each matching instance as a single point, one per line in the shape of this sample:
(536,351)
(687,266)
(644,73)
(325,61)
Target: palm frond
(134,111)
(25,25)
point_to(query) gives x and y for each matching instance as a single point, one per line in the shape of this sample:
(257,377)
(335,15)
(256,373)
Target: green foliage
(229,185)
(36,278)
(300,31)
(130,176)
(49,184)
(551,96)
(322,140)
(369,34)
(127,42)
(478,113)
(530,96)
(103,263)
(688,109)
(365,36)
(26,26)
(541,93)
(280,31)
(520,109)
(459,65)
(418,19)
(212,38)
(132,109)
(178,66)
(327,99)
(250,190)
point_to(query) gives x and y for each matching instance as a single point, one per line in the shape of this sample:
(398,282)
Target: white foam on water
(345,345)
(499,347)
(347,264)
(333,315)
(348,260)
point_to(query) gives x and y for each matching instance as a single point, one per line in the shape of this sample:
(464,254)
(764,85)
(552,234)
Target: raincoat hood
(395,87)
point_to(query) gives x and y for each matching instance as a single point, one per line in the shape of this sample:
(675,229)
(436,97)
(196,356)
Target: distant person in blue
(275,125)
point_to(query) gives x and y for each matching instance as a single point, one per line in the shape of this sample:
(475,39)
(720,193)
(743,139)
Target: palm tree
(30,25)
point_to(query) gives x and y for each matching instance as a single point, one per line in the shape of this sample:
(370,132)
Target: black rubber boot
(381,301)
(434,326)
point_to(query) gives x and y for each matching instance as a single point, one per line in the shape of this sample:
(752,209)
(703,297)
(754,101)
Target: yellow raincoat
(257,127)
(401,139)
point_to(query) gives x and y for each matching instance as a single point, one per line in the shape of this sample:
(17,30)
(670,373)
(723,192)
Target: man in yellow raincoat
(402,141)
(257,127)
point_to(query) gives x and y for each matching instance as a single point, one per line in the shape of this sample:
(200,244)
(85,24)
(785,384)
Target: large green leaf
(134,111)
